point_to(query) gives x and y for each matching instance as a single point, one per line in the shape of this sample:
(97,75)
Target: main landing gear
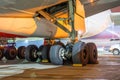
(59,54)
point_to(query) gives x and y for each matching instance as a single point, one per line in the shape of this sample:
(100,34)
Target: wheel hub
(34,53)
(12,53)
(116,52)
(62,53)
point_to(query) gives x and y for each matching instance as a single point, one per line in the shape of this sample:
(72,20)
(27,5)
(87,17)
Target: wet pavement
(107,69)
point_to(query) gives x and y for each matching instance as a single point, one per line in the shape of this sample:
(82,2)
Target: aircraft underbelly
(27,27)
(31,27)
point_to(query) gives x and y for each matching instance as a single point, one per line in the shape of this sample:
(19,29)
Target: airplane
(51,19)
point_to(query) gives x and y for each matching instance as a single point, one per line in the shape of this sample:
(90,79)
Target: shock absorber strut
(73,34)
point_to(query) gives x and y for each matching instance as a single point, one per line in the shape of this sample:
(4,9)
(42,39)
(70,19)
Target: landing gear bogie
(78,53)
(59,54)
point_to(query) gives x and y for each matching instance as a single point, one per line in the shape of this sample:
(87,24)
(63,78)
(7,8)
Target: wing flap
(116,18)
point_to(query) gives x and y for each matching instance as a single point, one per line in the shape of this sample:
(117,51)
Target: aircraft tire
(10,53)
(40,50)
(80,53)
(55,55)
(59,43)
(31,53)
(1,53)
(93,54)
(21,52)
(45,52)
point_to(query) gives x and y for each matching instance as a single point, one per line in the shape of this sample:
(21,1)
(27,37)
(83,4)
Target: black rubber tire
(59,43)
(93,54)
(115,51)
(54,55)
(1,53)
(40,50)
(21,52)
(10,53)
(31,53)
(80,53)
(45,52)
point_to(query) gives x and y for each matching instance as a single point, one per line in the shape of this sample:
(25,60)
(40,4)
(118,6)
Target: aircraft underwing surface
(51,19)
(19,14)
(26,8)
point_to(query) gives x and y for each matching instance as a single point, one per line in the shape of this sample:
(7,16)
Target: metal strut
(52,19)
(71,11)
(73,33)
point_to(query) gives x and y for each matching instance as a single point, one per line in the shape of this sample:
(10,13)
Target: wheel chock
(45,61)
(77,65)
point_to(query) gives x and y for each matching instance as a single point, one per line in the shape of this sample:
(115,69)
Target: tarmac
(108,68)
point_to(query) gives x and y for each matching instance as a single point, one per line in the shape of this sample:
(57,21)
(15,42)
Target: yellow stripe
(77,65)
(45,61)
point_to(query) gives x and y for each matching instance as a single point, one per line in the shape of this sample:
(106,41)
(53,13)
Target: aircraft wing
(18,14)
(95,6)
(26,8)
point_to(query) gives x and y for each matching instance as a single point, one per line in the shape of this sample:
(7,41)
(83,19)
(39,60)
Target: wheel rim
(12,53)
(61,53)
(34,53)
(116,52)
